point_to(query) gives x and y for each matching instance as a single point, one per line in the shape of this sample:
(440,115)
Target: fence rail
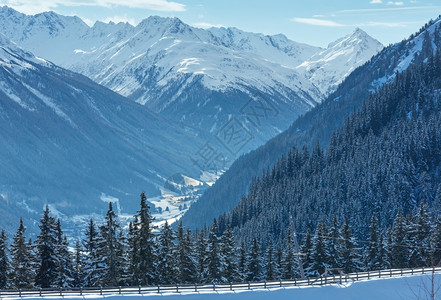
(186,288)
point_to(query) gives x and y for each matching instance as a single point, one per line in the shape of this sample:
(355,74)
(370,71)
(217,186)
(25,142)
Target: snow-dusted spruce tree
(270,265)
(78,266)
(334,244)
(110,248)
(167,269)
(319,252)
(201,257)
(4,261)
(419,238)
(242,264)
(289,264)
(133,277)
(305,250)
(400,245)
(22,269)
(92,266)
(435,243)
(64,268)
(184,255)
(254,265)
(230,272)
(213,255)
(372,251)
(350,255)
(143,244)
(46,244)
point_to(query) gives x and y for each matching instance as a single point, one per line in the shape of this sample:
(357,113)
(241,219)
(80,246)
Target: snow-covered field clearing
(410,287)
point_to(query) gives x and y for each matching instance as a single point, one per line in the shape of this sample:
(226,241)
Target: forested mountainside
(384,159)
(318,124)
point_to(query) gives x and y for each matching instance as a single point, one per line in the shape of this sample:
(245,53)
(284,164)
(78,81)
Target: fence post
(390,272)
(340,278)
(40,292)
(379,274)
(214,286)
(308,280)
(231,286)
(412,271)
(61,291)
(280,282)
(295,282)
(264,285)
(177,288)
(119,290)
(433,269)
(321,280)
(195,287)
(159,288)
(19,293)
(249,286)
(369,274)
(423,270)
(81,291)
(401,272)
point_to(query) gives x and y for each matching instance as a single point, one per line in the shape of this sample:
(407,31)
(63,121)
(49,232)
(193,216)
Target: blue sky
(315,22)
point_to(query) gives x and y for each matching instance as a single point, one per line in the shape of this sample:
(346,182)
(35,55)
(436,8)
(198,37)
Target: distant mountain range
(203,78)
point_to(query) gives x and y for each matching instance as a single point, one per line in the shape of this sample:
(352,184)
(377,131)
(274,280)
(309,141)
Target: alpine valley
(178,92)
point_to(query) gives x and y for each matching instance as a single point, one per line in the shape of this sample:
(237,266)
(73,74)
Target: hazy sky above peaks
(315,22)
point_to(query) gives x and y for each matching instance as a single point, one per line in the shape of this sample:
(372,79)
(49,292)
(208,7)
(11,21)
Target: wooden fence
(187,288)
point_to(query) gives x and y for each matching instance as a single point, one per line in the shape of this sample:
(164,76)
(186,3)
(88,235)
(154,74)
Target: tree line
(108,255)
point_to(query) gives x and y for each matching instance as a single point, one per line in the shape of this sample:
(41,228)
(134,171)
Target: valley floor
(412,287)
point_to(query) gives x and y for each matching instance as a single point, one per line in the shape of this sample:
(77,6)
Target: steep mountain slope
(204,78)
(386,158)
(316,125)
(341,57)
(73,144)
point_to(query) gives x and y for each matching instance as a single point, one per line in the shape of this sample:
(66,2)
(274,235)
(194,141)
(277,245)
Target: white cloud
(317,22)
(376,2)
(32,6)
(206,25)
(397,3)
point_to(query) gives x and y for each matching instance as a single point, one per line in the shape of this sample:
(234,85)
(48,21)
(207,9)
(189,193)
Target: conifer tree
(184,254)
(92,264)
(64,268)
(201,257)
(334,245)
(270,262)
(242,262)
(213,255)
(229,256)
(372,250)
(4,261)
(319,253)
(351,261)
(78,275)
(254,264)
(289,260)
(167,269)
(420,238)
(306,249)
(109,250)
(399,247)
(46,257)
(22,269)
(145,243)
(436,243)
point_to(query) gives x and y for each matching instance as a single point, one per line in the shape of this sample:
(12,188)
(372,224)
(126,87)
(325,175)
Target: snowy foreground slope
(413,287)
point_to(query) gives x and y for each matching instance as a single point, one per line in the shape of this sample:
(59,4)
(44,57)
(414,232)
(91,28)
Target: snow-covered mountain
(204,78)
(74,144)
(328,68)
